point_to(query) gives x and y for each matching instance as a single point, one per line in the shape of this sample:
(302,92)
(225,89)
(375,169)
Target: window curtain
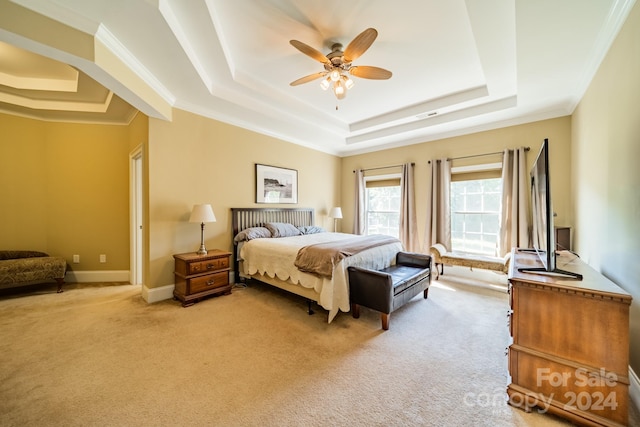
(438,227)
(359,220)
(514,221)
(408,220)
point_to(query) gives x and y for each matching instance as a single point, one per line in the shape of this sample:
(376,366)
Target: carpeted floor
(98,355)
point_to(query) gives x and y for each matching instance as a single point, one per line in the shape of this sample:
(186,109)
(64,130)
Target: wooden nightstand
(198,276)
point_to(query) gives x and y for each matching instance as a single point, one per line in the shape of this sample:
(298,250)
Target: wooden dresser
(570,343)
(198,276)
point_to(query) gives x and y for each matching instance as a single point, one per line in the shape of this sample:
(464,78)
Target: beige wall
(65,190)
(23,184)
(193,159)
(558,131)
(606,178)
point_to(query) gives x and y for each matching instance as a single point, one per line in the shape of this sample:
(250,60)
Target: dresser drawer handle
(210,282)
(210,266)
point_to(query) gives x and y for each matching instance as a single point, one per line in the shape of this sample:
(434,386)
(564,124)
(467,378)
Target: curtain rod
(481,155)
(384,167)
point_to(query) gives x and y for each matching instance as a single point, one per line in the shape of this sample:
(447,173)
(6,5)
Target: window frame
(476,172)
(373,178)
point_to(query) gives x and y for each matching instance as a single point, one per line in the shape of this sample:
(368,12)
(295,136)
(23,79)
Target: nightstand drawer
(208,265)
(211,281)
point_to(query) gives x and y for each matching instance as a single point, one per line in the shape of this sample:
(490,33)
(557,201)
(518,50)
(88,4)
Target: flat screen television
(542,233)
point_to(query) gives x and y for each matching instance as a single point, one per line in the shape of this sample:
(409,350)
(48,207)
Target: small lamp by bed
(336,214)
(202,214)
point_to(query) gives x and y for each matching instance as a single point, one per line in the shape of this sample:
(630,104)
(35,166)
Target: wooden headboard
(243,218)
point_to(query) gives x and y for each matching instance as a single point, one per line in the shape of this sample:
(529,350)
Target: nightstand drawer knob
(210,282)
(210,266)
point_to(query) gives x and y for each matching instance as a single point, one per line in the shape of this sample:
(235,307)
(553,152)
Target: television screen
(542,212)
(542,232)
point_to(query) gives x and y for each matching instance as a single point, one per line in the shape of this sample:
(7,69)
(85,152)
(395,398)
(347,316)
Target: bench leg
(384,317)
(60,283)
(438,273)
(426,293)
(355,311)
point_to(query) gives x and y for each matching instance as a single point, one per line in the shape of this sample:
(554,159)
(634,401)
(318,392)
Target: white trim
(162,293)
(111,42)
(634,388)
(136,188)
(382,177)
(97,106)
(97,276)
(174,23)
(476,168)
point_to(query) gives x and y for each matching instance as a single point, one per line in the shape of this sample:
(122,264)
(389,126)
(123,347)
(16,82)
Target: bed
(259,255)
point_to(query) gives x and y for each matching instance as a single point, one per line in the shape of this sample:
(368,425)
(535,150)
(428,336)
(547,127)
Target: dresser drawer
(211,281)
(208,265)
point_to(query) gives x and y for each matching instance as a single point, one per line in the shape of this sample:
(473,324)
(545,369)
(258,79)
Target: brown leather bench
(388,289)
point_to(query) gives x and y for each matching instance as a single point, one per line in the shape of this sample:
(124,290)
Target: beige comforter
(275,258)
(321,258)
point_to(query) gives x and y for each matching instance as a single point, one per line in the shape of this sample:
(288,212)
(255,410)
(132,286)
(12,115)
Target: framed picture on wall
(276,185)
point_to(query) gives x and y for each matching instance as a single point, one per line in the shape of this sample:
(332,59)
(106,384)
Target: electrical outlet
(76,259)
(103,258)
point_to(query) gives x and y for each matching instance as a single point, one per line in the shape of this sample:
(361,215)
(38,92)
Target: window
(475,215)
(383,205)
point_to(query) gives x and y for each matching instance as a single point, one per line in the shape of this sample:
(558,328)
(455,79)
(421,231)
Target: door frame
(136,231)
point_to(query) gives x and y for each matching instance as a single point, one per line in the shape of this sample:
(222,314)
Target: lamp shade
(335,213)
(202,214)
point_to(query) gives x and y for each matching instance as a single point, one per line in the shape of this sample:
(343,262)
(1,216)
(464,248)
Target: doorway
(136,207)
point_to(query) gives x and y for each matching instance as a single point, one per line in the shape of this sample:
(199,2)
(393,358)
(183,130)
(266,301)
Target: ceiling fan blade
(367,72)
(308,78)
(309,51)
(360,44)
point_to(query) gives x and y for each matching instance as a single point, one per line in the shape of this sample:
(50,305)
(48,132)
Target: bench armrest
(413,259)
(361,283)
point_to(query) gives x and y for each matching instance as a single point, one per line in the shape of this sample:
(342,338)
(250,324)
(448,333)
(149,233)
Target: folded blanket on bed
(321,258)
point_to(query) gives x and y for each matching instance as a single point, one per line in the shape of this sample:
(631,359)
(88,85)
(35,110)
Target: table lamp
(335,213)
(202,214)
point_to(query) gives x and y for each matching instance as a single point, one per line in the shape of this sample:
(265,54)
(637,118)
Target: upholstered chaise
(18,268)
(441,257)
(388,289)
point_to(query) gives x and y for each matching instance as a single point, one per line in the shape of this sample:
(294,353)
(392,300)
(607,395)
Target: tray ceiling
(458,66)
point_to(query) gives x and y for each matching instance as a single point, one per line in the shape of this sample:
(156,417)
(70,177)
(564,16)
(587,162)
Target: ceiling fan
(338,63)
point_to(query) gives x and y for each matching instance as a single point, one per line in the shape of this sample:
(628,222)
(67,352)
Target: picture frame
(276,185)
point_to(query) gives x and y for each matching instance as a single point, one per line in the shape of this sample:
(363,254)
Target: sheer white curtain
(408,220)
(359,220)
(514,222)
(438,228)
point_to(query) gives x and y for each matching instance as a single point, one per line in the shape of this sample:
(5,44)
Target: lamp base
(202,250)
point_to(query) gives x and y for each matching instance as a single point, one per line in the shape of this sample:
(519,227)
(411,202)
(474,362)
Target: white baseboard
(152,295)
(634,388)
(96,276)
(162,293)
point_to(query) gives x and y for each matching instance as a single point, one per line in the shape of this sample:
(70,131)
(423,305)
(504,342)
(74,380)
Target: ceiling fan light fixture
(338,63)
(348,83)
(339,89)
